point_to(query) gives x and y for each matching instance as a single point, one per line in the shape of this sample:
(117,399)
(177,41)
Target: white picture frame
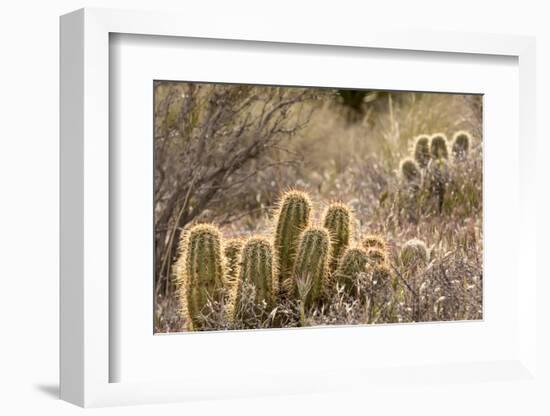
(87,356)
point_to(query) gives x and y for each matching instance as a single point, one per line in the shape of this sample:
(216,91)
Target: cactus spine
(421,150)
(257,270)
(232,252)
(200,271)
(292,218)
(337,221)
(439,146)
(461,145)
(312,265)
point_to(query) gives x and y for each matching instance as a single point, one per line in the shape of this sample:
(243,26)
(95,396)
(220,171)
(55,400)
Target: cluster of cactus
(428,164)
(427,149)
(300,261)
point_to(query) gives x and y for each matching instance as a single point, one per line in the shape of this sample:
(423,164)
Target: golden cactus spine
(232,252)
(292,218)
(200,271)
(311,270)
(338,221)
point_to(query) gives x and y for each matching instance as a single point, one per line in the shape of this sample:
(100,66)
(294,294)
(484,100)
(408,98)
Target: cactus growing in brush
(461,145)
(381,275)
(421,150)
(257,270)
(292,218)
(414,253)
(439,147)
(437,178)
(353,262)
(410,171)
(375,241)
(337,221)
(200,271)
(376,256)
(232,252)
(312,265)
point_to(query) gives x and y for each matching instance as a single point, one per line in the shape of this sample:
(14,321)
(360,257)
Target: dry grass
(358,164)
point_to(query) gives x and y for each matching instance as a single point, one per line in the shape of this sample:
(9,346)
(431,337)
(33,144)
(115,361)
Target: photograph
(292,207)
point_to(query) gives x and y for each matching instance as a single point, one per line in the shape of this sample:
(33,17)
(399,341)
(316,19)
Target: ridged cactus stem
(292,218)
(337,221)
(257,270)
(201,270)
(312,266)
(232,251)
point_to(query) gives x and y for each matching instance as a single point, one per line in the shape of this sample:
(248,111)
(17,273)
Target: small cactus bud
(410,171)
(414,253)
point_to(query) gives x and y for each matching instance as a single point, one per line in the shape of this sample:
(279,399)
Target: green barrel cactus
(414,253)
(410,172)
(311,266)
(257,270)
(338,221)
(439,147)
(461,145)
(232,252)
(200,271)
(292,218)
(421,150)
(353,262)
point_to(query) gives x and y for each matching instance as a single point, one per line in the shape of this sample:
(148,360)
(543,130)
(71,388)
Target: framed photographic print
(279,214)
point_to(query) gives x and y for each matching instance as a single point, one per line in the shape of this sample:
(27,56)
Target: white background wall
(29,115)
